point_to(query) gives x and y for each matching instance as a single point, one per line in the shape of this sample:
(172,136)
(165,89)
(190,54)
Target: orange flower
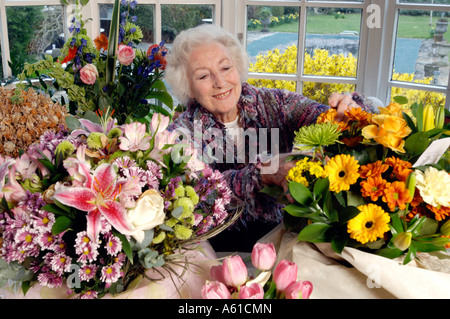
(101,42)
(396,195)
(392,109)
(352,141)
(327,116)
(373,169)
(440,212)
(373,187)
(358,115)
(72,53)
(159,56)
(388,131)
(401,168)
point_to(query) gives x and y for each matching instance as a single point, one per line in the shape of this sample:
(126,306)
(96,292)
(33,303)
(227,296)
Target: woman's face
(214,80)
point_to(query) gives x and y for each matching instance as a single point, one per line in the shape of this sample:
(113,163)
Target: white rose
(147,214)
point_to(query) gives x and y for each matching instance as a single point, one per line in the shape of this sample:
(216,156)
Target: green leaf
(338,243)
(396,225)
(400,99)
(162,96)
(61,224)
(300,193)
(410,122)
(113,43)
(301,212)
(125,245)
(321,186)
(271,291)
(389,252)
(53,208)
(273,191)
(72,122)
(314,232)
(419,117)
(348,213)
(417,143)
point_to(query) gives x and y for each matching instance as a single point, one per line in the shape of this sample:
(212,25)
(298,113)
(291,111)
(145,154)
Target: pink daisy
(88,272)
(110,274)
(50,279)
(113,245)
(60,263)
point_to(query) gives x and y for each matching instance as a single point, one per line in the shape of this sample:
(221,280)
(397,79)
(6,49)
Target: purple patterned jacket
(269,117)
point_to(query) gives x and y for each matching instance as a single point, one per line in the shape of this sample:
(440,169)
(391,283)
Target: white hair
(176,73)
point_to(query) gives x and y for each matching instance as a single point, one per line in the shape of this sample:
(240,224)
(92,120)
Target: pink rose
(234,271)
(299,290)
(285,273)
(125,54)
(264,256)
(88,74)
(215,290)
(253,291)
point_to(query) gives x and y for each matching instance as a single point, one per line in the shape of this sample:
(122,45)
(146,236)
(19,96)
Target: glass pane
(272,38)
(422,48)
(320,92)
(141,15)
(32,32)
(426,1)
(426,97)
(178,17)
(274,84)
(332,41)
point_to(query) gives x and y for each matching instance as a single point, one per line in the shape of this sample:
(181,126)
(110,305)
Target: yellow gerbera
(370,224)
(342,171)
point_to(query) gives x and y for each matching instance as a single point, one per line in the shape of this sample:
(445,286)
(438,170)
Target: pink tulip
(216,273)
(234,271)
(264,256)
(299,290)
(125,54)
(89,74)
(285,273)
(215,290)
(253,291)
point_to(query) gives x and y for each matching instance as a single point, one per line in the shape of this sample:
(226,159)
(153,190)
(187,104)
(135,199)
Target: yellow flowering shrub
(322,63)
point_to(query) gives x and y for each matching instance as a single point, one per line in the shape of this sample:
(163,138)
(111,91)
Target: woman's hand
(341,102)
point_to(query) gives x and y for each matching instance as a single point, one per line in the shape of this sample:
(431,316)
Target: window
(307,47)
(30,29)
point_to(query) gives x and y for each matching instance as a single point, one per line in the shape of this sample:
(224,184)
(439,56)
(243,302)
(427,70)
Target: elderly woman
(241,130)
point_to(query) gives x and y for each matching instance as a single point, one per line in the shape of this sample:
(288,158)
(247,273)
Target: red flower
(72,53)
(101,42)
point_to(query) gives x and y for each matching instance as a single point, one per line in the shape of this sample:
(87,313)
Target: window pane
(320,92)
(32,32)
(178,17)
(274,84)
(426,1)
(144,19)
(272,38)
(426,97)
(332,41)
(422,49)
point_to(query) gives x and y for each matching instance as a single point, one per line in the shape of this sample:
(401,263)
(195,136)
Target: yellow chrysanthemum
(369,225)
(305,171)
(342,171)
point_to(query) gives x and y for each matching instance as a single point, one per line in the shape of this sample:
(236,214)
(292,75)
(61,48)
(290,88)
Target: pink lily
(13,191)
(78,168)
(159,123)
(135,138)
(98,198)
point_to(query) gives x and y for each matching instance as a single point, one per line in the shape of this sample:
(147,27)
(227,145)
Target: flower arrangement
(376,182)
(231,279)
(107,72)
(95,207)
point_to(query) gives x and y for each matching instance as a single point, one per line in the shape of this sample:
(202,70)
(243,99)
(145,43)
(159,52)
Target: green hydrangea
(179,191)
(115,132)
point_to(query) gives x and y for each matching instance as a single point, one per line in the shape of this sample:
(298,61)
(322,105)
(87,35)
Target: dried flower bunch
(24,117)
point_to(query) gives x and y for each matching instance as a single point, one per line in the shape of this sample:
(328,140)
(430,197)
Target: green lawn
(409,26)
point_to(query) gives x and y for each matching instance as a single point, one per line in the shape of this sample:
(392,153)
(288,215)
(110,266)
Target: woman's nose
(218,80)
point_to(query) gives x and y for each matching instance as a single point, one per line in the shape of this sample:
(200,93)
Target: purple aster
(88,272)
(50,279)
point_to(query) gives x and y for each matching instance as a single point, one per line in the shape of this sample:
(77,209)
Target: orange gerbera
(373,169)
(401,168)
(396,195)
(101,42)
(440,212)
(373,187)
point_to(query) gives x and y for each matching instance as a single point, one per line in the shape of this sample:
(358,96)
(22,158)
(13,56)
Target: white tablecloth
(356,274)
